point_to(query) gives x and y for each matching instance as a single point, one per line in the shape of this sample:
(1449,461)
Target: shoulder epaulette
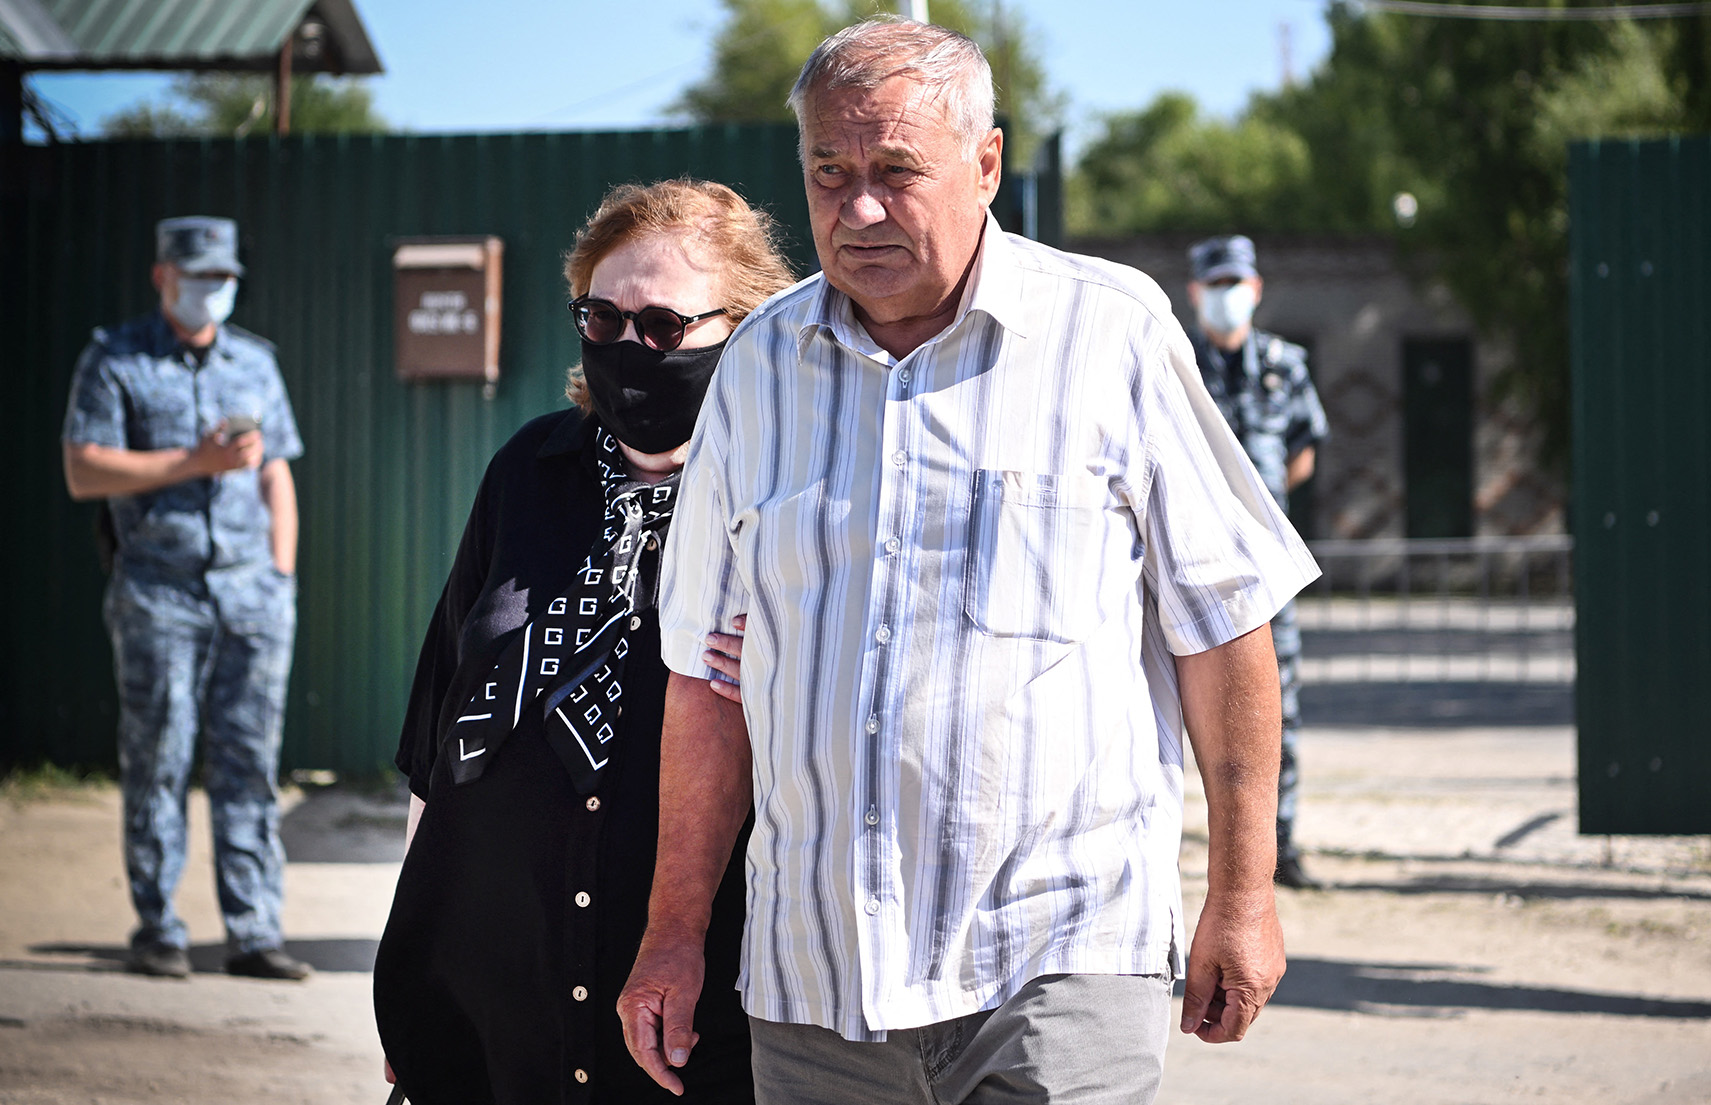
(1274,351)
(244,335)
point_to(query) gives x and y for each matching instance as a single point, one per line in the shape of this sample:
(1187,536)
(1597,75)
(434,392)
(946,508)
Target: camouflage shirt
(138,387)
(1268,400)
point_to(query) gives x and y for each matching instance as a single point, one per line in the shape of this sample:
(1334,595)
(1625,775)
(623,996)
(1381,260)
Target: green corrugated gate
(1641,256)
(390,468)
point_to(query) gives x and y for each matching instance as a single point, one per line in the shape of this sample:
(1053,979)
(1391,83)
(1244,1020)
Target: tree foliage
(756,56)
(762,44)
(239,104)
(1168,167)
(1471,117)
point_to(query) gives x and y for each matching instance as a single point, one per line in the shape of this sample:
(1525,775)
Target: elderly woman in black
(531,739)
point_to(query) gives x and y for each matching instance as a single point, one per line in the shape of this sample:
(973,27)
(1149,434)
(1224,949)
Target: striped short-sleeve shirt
(965,574)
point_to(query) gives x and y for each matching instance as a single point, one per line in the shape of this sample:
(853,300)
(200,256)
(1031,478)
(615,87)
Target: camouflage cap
(1221,257)
(198,243)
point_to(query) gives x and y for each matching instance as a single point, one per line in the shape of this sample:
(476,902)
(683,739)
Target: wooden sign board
(445,308)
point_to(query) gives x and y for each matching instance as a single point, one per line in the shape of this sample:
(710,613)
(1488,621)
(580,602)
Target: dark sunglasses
(601,323)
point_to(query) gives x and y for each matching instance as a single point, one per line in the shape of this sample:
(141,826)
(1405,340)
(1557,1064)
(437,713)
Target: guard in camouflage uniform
(1261,386)
(181,423)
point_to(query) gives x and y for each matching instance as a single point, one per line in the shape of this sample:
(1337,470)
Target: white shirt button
(580,993)
(873,723)
(592,804)
(904,375)
(882,634)
(581,1075)
(900,458)
(872,817)
(892,545)
(872,906)
(583,898)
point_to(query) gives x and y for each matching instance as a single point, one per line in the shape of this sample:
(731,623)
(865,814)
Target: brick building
(1418,447)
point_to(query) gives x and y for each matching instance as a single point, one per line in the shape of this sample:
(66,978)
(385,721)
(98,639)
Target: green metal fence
(390,468)
(1641,280)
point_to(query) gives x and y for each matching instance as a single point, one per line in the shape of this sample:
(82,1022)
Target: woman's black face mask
(648,399)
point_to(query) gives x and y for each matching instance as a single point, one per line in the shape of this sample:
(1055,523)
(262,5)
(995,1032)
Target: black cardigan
(521,903)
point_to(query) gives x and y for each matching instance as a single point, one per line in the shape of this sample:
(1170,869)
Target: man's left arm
(1232,709)
(279,495)
(283,444)
(1307,427)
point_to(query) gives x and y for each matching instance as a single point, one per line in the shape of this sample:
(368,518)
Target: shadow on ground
(1428,989)
(1524,890)
(1445,990)
(345,826)
(353,955)
(1437,705)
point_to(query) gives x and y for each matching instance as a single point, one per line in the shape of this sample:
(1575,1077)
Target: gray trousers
(1081,1039)
(1286,639)
(187,670)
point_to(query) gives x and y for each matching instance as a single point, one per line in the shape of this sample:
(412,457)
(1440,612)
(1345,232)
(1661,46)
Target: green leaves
(230,104)
(756,56)
(1472,118)
(762,44)
(1169,168)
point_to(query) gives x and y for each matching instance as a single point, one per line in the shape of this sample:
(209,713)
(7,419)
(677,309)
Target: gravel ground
(1470,947)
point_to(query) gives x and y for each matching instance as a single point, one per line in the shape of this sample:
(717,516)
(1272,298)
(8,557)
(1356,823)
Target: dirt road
(1471,949)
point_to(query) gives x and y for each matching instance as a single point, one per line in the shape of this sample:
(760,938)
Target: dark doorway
(1437,446)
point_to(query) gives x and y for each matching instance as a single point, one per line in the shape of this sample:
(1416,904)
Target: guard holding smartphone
(180,421)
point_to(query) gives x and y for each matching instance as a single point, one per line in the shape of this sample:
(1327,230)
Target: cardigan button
(582,898)
(581,1075)
(580,993)
(592,804)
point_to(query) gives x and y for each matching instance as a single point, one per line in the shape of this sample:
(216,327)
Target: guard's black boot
(268,963)
(1290,874)
(158,961)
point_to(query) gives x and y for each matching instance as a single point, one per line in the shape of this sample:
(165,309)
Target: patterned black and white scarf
(568,663)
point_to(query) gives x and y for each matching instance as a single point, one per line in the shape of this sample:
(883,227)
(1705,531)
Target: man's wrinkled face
(897,209)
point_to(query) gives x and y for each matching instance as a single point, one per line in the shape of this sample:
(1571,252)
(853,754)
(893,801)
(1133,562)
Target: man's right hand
(217,453)
(657,1006)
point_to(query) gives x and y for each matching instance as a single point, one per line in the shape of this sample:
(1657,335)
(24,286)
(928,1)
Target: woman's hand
(725,655)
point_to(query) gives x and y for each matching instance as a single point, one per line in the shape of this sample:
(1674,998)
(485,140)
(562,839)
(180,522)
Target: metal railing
(1482,609)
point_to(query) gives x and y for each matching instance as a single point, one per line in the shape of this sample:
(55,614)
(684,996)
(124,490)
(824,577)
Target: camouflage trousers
(1286,639)
(188,666)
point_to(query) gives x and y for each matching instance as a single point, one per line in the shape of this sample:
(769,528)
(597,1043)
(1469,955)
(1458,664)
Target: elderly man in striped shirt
(999,556)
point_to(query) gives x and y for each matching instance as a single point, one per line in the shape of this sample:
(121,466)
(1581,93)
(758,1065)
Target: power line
(618,93)
(1516,13)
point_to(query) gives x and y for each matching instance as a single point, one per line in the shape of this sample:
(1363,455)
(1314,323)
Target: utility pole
(11,103)
(916,10)
(282,89)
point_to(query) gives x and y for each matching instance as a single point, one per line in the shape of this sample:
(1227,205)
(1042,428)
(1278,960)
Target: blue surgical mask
(1226,310)
(203,301)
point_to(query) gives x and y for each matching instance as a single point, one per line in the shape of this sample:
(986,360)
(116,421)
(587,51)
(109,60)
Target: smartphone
(241,424)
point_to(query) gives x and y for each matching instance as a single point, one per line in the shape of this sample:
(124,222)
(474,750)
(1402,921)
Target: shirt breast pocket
(1035,543)
(161,418)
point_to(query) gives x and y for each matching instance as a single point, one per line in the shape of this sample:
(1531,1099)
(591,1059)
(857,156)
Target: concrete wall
(1350,300)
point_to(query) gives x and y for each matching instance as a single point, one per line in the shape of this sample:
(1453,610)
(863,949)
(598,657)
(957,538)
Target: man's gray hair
(867,54)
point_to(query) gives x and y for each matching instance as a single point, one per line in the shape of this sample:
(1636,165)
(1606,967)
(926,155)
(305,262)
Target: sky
(510,65)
